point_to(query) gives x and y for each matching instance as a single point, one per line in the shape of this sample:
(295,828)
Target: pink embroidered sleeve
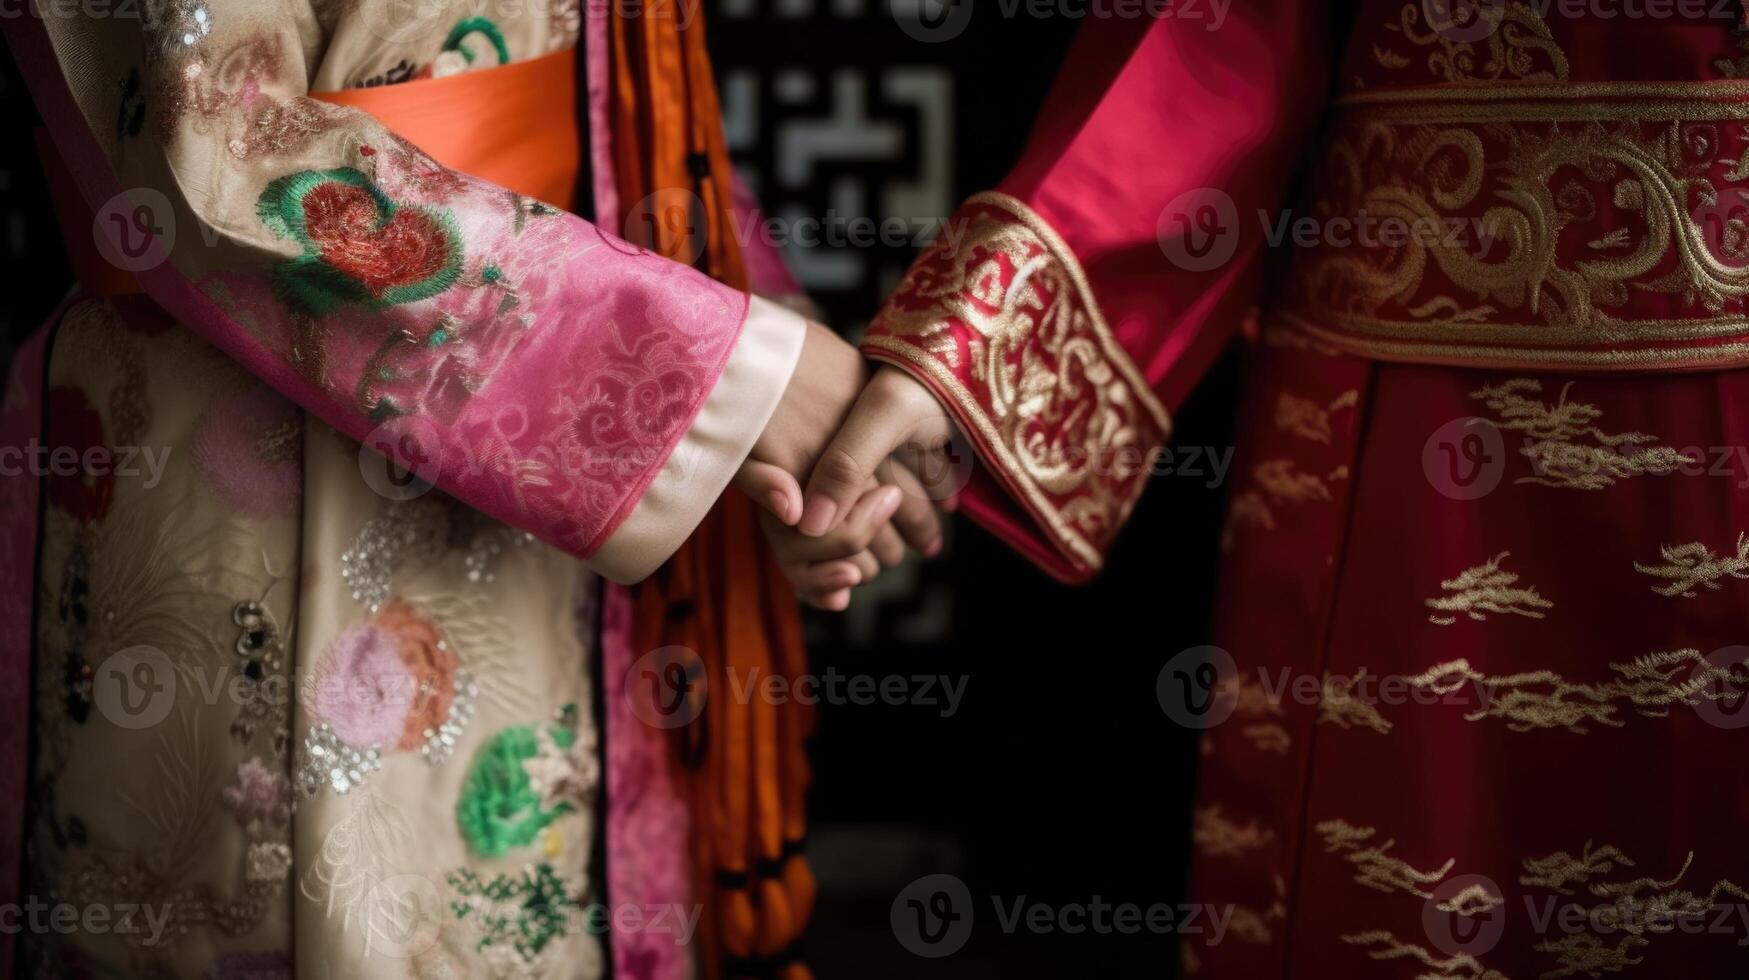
(515,356)
(1062,315)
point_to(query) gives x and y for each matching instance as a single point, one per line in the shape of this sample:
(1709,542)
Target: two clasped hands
(852,468)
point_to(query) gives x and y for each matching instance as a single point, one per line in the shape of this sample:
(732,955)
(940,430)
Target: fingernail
(932,549)
(889,504)
(817,515)
(838,601)
(779,504)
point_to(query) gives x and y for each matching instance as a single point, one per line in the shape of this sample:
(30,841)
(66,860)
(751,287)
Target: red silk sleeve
(1062,316)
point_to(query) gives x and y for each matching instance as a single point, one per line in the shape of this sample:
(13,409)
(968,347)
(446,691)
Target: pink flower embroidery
(364,688)
(261,800)
(384,684)
(72,424)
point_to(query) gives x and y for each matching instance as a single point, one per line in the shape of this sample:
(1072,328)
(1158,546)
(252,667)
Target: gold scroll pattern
(1000,319)
(1517,47)
(1554,229)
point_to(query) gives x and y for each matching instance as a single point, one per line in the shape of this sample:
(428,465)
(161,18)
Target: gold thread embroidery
(1216,836)
(1306,418)
(1268,738)
(1564,448)
(1246,510)
(1462,965)
(1338,706)
(1636,908)
(1693,565)
(1520,179)
(1374,866)
(1520,46)
(1544,699)
(1484,589)
(1004,307)
(1279,479)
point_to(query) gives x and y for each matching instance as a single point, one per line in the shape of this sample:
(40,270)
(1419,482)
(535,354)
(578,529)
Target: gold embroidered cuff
(998,319)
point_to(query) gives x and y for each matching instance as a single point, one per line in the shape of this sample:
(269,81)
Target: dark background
(1059,779)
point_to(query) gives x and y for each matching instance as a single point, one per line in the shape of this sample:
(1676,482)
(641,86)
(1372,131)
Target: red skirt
(1478,702)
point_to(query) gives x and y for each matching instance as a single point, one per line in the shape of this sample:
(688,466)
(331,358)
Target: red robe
(1478,703)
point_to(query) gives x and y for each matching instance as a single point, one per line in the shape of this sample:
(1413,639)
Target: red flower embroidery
(82,490)
(341,220)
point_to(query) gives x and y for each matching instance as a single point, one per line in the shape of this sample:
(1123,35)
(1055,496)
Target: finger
(865,440)
(836,601)
(817,578)
(915,520)
(771,487)
(887,547)
(866,565)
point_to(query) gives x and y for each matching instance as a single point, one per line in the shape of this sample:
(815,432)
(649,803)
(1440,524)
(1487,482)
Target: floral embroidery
(516,914)
(364,689)
(360,248)
(73,423)
(1694,565)
(504,805)
(390,684)
(261,801)
(1484,589)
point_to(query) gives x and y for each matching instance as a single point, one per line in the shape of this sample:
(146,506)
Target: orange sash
(513,125)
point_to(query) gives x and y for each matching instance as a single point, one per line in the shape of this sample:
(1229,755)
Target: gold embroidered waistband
(1602,226)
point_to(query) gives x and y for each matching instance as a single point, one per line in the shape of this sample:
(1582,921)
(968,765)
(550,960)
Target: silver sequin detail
(368,566)
(484,549)
(329,762)
(440,743)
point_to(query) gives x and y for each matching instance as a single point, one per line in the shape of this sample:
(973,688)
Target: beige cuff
(706,458)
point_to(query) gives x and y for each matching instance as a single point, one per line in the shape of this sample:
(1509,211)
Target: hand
(825,383)
(896,420)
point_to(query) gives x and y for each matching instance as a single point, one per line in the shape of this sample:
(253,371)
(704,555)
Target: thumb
(844,471)
(771,487)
